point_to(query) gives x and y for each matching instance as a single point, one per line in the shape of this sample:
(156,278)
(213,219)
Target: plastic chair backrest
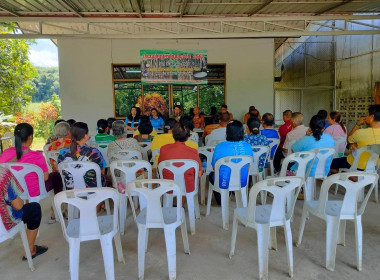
(258,151)
(103,150)
(208,152)
(322,154)
(154,215)
(129,168)
(179,171)
(52,155)
(145,147)
(126,155)
(273,142)
(304,161)
(372,161)
(342,139)
(86,200)
(155,155)
(285,191)
(78,169)
(235,163)
(350,200)
(20,170)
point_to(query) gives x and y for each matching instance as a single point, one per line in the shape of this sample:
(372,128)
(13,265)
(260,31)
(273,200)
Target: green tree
(16,74)
(47,84)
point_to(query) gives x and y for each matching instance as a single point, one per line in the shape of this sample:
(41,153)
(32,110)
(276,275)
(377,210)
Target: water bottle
(204,164)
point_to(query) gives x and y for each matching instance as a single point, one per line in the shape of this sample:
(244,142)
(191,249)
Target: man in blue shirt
(234,146)
(267,122)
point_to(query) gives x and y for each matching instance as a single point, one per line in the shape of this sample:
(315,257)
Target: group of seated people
(177,142)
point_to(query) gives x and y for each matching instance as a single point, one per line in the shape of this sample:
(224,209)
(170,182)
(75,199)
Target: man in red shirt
(179,150)
(282,131)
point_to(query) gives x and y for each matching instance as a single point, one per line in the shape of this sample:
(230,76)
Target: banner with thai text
(173,66)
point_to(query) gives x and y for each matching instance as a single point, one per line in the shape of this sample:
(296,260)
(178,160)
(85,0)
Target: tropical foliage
(46,83)
(16,74)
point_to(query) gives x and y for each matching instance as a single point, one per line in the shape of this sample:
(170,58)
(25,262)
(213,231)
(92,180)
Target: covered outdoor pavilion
(299,55)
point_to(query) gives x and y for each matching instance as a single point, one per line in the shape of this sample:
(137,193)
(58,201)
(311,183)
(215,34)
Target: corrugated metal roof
(173,8)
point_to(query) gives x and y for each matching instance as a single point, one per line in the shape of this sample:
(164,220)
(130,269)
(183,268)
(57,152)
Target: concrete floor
(209,253)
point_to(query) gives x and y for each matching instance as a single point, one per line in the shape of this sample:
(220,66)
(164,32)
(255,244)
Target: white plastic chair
(208,152)
(341,140)
(273,142)
(127,170)
(336,212)
(77,170)
(321,155)
(127,155)
(179,177)
(254,171)
(20,170)
(51,155)
(20,227)
(372,166)
(265,218)
(90,226)
(155,155)
(103,150)
(145,147)
(236,164)
(156,216)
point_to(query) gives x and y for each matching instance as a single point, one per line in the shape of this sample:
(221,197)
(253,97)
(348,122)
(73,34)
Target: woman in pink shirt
(21,153)
(336,128)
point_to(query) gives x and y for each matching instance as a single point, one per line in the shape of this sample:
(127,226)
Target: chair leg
(359,242)
(273,239)
(196,207)
(185,238)
(262,250)
(233,236)
(190,209)
(336,189)
(239,197)
(271,167)
(224,194)
(26,247)
(332,232)
(377,192)
(168,200)
(203,188)
(122,213)
(119,248)
(74,245)
(108,209)
(209,201)
(141,243)
(107,250)
(342,233)
(146,239)
(263,197)
(302,225)
(170,242)
(289,246)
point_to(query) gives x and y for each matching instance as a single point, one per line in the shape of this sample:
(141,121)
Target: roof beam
(258,9)
(13,13)
(138,5)
(344,2)
(183,7)
(204,35)
(72,7)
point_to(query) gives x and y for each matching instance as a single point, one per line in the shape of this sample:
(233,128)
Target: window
(128,92)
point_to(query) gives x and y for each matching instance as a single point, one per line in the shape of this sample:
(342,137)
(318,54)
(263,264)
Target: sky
(44,53)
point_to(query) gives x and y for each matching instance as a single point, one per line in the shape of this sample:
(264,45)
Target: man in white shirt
(298,131)
(219,134)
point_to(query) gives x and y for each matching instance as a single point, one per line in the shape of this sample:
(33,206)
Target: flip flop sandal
(39,251)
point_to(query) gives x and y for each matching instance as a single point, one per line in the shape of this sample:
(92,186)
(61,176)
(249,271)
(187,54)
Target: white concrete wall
(86,76)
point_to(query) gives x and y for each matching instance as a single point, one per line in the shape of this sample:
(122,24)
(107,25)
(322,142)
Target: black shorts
(31,215)
(340,163)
